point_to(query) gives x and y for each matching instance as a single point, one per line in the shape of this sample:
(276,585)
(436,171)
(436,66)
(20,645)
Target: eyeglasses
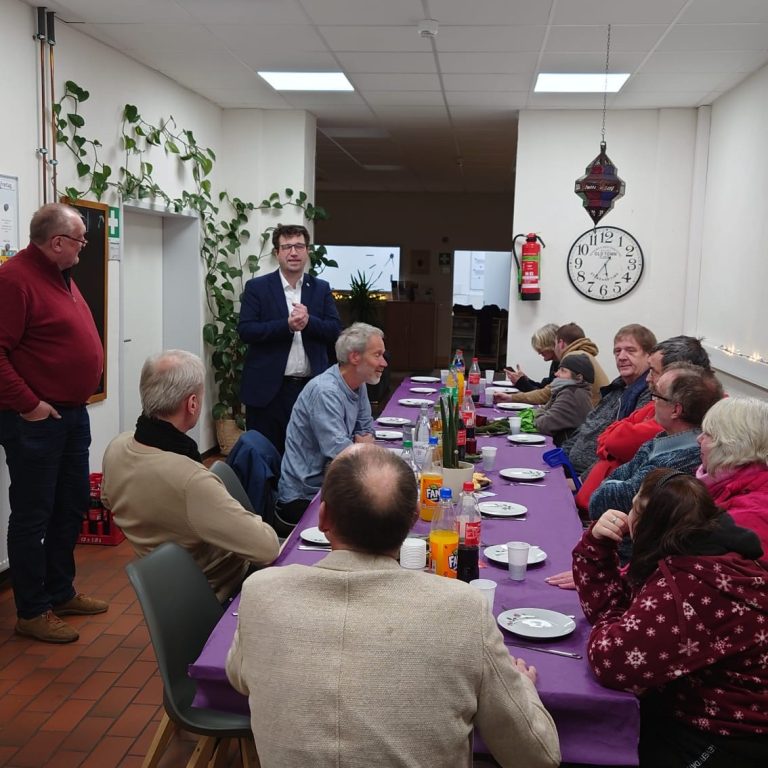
(288,247)
(82,242)
(657,396)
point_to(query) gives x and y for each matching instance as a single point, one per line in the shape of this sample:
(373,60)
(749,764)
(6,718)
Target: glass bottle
(444,537)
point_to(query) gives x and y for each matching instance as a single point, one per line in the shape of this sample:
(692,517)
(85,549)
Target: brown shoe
(47,627)
(81,605)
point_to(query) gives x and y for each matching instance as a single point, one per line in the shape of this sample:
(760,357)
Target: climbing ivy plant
(223,218)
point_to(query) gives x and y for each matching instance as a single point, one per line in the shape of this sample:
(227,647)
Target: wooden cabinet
(410,335)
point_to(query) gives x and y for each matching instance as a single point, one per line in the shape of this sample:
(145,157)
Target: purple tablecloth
(596,725)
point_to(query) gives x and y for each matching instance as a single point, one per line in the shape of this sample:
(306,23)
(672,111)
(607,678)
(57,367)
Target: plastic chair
(181,611)
(232,483)
(558,458)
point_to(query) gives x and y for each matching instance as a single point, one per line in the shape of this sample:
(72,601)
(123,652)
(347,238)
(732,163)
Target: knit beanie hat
(579,364)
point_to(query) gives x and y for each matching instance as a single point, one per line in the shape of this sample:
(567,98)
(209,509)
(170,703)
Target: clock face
(605,263)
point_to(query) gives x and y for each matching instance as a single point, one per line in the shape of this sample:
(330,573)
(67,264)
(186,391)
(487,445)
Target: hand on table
(369,438)
(298,318)
(563,580)
(502,397)
(41,412)
(514,376)
(524,669)
(612,524)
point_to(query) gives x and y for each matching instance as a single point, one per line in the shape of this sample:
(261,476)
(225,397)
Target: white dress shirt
(298,362)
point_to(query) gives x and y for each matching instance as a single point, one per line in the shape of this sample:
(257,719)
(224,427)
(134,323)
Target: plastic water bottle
(422,435)
(468,524)
(408,457)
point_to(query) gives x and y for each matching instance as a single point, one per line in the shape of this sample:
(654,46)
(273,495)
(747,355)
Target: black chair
(232,483)
(181,610)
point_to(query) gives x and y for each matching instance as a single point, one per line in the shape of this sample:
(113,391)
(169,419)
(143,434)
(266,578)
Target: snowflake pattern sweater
(695,633)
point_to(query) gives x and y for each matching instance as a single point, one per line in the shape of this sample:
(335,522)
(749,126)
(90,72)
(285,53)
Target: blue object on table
(558,458)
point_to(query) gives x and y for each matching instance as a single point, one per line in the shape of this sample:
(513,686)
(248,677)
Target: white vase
(455,478)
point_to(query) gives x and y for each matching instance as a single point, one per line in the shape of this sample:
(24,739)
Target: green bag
(528,420)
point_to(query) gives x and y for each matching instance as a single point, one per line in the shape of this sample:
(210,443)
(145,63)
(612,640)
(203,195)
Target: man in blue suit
(289,320)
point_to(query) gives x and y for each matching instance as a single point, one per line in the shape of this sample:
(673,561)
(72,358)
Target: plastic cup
(489,377)
(487,588)
(518,559)
(443,375)
(514,425)
(488,453)
(413,554)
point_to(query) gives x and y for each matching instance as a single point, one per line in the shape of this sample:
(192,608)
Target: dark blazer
(264,327)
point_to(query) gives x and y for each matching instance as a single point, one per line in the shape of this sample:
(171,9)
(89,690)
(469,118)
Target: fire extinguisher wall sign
(529,266)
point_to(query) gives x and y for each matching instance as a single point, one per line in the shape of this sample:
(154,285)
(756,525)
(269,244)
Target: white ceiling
(442,111)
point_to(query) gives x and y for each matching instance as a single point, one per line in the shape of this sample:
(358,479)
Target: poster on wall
(9,216)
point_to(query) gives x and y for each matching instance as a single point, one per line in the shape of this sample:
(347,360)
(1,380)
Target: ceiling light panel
(307,81)
(568,82)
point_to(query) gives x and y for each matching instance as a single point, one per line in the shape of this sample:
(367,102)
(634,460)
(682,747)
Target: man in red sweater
(51,360)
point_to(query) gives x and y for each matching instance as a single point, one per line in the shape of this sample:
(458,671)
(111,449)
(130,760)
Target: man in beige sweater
(358,662)
(158,489)
(569,339)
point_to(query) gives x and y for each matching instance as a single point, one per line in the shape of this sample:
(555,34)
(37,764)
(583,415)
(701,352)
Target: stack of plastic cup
(413,554)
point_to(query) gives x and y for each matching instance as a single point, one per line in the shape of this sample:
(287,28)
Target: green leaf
(288,192)
(83,169)
(209,333)
(277,205)
(78,141)
(56,108)
(62,123)
(274,196)
(75,120)
(170,146)
(139,131)
(73,193)
(302,197)
(130,113)
(206,164)
(211,154)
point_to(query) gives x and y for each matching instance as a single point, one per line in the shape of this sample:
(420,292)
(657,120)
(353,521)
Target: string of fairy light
(732,351)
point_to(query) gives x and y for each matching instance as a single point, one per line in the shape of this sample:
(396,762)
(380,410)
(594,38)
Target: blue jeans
(48,464)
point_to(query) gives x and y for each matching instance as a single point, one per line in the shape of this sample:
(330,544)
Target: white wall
(654,152)
(732,306)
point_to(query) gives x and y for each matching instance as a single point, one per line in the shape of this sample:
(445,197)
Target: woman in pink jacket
(734,461)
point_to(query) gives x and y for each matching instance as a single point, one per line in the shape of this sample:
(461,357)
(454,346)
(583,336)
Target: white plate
(527,439)
(498,554)
(393,421)
(501,508)
(508,385)
(314,536)
(423,390)
(415,402)
(521,473)
(513,406)
(388,434)
(536,622)
(426,379)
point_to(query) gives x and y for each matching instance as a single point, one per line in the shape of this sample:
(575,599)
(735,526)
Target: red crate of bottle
(98,527)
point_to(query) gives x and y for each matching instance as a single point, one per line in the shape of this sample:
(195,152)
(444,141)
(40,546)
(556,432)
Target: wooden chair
(181,610)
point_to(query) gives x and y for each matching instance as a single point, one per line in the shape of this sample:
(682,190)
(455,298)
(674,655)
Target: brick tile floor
(96,702)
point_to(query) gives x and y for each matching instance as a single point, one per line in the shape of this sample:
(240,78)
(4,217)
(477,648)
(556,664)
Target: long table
(596,725)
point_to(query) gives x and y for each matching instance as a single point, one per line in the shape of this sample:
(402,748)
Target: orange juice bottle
(430,484)
(444,537)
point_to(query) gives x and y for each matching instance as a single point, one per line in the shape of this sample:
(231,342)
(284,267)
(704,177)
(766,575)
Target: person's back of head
(738,430)
(49,220)
(167,380)
(670,508)
(370,499)
(569,333)
(682,349)
(695,389)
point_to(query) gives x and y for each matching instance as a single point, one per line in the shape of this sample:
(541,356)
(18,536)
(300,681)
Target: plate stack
(413,554)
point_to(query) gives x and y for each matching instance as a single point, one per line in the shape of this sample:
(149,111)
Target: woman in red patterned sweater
(686,628)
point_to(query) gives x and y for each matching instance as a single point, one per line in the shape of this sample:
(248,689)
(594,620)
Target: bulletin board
(91,273)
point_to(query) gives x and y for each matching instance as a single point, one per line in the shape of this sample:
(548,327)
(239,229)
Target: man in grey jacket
(357,661)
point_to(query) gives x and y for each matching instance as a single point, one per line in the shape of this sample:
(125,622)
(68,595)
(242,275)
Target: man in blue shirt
(331,413)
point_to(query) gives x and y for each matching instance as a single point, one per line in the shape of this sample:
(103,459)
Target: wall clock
(605,263)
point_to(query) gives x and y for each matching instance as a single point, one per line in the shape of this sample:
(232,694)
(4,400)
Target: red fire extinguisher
(529,267)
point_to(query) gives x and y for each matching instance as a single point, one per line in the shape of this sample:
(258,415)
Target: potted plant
(455,472)
(363,299)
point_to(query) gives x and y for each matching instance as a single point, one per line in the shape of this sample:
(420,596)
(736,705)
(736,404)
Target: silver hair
(544,338)
(355,339)
(167,379)
(52,219)
(738,427)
